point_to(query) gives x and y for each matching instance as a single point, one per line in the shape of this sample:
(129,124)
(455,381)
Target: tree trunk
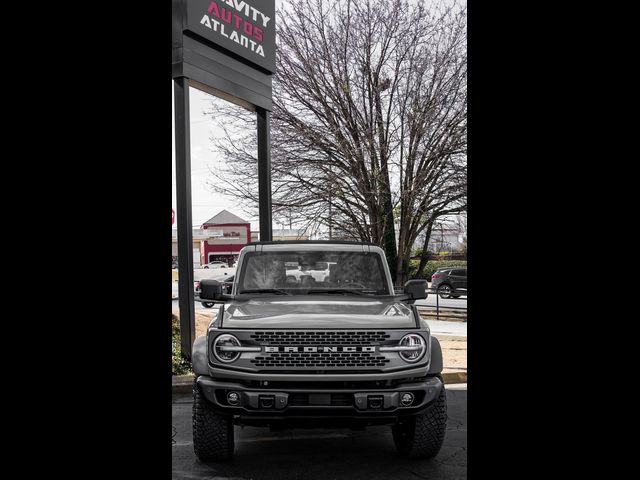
(403,269)
(424,254)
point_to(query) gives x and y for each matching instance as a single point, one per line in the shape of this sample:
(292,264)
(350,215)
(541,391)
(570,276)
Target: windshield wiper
(277,291)
(342,291)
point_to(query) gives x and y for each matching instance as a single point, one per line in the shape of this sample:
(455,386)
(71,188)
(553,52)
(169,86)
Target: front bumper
(369,405)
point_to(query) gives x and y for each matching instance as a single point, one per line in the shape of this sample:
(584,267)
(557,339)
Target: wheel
(212,433)
(206,266)
(207,304)
(444,291)
(422,436)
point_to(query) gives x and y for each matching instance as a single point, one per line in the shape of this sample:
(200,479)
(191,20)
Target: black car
(450,282)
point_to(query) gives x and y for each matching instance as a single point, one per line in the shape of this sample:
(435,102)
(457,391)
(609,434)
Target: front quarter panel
(199,351)
(199,356)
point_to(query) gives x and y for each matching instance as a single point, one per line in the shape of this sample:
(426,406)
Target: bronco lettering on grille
(322,349)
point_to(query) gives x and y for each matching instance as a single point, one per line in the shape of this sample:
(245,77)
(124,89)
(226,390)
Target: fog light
(406,399)
(233,398)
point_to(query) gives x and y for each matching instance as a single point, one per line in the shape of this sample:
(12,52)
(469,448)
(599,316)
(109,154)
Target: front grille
(317,338)
(331,359)
(323,359)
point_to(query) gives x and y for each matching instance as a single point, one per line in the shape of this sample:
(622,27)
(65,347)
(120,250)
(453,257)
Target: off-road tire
(212,433)
(422,436)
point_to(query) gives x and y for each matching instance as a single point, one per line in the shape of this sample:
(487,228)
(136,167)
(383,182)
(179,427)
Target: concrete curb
(454,377)
(184,383)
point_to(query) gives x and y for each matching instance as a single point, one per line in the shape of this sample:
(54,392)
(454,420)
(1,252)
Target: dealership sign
(219,233)
(245,28)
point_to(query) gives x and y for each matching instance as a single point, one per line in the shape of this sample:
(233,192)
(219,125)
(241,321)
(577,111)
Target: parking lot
(322,454)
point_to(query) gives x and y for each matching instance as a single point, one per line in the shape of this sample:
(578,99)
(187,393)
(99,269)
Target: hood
(315,312)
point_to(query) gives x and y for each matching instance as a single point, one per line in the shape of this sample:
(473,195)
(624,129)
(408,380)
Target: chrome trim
(401,348)
(228,348)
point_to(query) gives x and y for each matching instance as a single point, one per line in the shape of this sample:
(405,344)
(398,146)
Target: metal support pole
(185,234)
(264,173)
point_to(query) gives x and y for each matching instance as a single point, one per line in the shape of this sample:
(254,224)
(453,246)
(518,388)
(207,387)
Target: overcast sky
(205,203)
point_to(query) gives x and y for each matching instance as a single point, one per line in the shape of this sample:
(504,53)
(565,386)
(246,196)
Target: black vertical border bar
(185,233)
(264,173)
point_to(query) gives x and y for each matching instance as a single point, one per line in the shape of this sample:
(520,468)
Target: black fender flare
(435,366)
(199,356)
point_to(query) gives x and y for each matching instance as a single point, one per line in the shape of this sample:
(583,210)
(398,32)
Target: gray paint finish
(318,312)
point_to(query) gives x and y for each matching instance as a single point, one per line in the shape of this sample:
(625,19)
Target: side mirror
(212,290)
(416,289)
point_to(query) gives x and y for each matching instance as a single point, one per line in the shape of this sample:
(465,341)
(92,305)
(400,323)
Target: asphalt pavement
(322,454)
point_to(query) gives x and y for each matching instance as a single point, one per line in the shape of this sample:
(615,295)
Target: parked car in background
(225,280)
(450,282)
(216,265)
(200,273)
(319,271)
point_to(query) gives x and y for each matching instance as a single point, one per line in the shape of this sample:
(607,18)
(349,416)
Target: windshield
(306,273)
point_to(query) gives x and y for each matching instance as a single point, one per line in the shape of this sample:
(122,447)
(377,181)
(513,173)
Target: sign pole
(185,234)
(264,174)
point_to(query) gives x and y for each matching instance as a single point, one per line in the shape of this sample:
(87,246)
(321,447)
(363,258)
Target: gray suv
(345,350)
(450,282)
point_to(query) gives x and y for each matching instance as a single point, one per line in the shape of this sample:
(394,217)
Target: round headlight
(226,340)
(417,347)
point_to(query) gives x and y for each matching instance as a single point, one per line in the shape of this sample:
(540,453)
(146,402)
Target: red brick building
(226,235)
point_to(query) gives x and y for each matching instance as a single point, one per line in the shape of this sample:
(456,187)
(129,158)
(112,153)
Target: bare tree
(369,121)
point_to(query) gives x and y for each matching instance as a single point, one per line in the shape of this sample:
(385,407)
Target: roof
(224,218)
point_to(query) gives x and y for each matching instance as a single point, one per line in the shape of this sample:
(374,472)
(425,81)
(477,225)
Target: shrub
(179,366)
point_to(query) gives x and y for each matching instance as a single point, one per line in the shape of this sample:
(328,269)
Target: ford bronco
(348,351)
